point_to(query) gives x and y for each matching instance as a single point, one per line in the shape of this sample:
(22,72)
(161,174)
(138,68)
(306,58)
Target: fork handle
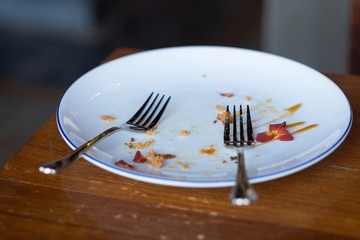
(58,165)
(243,192)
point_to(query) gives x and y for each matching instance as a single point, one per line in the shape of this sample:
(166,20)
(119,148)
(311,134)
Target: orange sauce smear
(108,118)
(307,128)
(287,112)
(208,151)
(296,124)
(294,108)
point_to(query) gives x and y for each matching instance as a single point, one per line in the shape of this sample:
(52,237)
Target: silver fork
(143,120)
(242,193)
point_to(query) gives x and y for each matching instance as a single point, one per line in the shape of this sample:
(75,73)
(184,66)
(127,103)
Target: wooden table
(86,202)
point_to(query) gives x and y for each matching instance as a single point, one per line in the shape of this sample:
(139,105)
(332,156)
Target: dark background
(45,57)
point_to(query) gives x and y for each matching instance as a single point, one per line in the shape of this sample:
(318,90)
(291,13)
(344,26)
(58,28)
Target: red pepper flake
(139,158)
(124,164)
(276,131)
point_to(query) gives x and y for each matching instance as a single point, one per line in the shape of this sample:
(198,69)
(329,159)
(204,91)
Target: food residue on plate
(228,95)
(185,166)
(157,160)
(304,129)
(247,98)
(219,108)
(108,118)
(123,164)
(276,131)
(152,131)
(139,158)
(139,145)
(184,133)
(209,151)
(221,117)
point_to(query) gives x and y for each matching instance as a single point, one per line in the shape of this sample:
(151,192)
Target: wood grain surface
(86,202)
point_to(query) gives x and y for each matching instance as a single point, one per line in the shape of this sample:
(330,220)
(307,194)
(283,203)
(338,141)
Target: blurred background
(45,45)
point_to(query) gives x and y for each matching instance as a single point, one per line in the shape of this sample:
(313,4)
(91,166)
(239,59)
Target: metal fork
(242,193)
(143,120)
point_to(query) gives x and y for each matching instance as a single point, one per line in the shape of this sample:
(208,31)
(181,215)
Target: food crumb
(221,117)
(152,131)
(184,133)
(208,151)
(157,160)
(185,166)
(139,158)
(140,145)
(123,164)
(108,118)
(247,98)
(219,108)
(229,95)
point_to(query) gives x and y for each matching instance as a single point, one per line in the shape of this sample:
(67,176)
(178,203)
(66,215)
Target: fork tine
(143,115)
(235,141)
(241,127)
(249,129)
(141,119)
(227,126)
(136,115)
(145,121)
(158,116)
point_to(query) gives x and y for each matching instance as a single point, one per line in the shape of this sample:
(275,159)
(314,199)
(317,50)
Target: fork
(143,120)
(242,193)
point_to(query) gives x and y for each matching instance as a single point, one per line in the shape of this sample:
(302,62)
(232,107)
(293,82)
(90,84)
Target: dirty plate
(200,81)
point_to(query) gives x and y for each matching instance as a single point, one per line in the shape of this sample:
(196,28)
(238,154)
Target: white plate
(195,77)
